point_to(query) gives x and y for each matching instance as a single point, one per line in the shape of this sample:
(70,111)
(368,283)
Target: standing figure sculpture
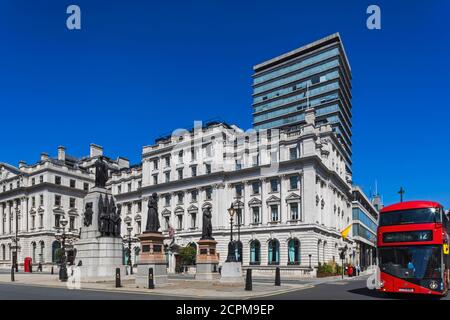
(207,225)
(152,215)
(101,173)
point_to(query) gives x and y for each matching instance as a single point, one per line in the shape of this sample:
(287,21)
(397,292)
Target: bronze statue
(207,225)
(88,214)
(101,173)
(152,215)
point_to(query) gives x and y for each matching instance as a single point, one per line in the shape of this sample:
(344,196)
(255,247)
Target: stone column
(2,211)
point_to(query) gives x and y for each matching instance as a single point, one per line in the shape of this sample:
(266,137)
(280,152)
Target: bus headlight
(381,284)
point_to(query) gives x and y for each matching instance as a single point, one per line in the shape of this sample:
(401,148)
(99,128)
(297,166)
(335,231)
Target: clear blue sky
(139,69)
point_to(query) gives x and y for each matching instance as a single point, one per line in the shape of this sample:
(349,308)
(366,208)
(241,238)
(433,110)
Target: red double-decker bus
(412,243)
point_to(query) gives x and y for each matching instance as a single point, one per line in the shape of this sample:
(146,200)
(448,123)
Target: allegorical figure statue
(88,214)
(207,225)
(152,215)
(101,173)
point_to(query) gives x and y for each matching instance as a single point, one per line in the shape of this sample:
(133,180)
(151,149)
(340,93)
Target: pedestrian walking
(358,270)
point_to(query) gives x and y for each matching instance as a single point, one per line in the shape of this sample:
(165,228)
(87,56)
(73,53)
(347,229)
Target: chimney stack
(44,156)
(61,153)
(95,150)
(22,164)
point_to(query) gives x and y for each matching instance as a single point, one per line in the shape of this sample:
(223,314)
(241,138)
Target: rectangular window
(119,189)
(193,220)
(72,203)
(239,189)
(57,220)
(180,221)
(207,168)
(72,183)
(58,180)
(33,201)
(72,223)
(167,174)
(167,159)
(194,195)
(274,185)
(167,199)
(86,186)
(180,157)
(256,217)
(194,171)
(41,179)
(155,179)
(208,192)
(129,207)
(255,187)
(274,212)
(57,200)
(155,164)
(41,220)
(41,199)
(193,154)
(180,174)
(33,221)
(294,211)
(293,182)
(129,187)
(293,153)
(33,181)
(139,207)
(180,198)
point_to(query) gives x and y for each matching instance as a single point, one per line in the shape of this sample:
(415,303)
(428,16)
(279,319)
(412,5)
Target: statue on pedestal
(101,173)
(207,225)
(152,215)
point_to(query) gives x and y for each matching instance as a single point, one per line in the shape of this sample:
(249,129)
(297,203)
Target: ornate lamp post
(15,240)
(231,249)
(62,238)
(129,240)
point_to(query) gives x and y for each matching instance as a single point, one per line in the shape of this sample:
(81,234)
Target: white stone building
(291,191)
(33,198)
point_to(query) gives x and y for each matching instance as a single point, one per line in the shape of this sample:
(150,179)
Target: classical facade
(290,189)
(33,199)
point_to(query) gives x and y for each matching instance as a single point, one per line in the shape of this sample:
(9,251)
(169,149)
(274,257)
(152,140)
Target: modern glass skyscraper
(317,75)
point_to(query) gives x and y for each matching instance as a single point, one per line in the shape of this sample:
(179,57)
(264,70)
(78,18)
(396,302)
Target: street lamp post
(128,239)
(16,242)
(231,249)
(63,268)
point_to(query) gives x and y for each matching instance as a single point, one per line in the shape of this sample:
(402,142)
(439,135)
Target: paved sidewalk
(175,287)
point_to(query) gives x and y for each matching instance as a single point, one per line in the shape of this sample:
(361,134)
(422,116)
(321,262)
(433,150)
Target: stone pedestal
(207,260)
(231,273)
(151,256)
(99,255)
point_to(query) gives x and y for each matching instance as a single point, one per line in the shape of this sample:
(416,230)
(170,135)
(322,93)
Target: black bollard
(151,282)
(248,281)
(12,274)
(31,268)
(52,270)
(277,277)
(118,285)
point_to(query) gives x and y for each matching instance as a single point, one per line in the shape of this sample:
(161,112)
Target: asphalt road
(339,290)
(345,290)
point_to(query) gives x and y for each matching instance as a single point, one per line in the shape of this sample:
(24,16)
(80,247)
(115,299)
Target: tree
(187,255)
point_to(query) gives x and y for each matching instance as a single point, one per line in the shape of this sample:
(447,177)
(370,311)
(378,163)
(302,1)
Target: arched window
(41,251)
(33,256)
(294,251)
(238,251)
(255,252)
(56,246)
(274,252)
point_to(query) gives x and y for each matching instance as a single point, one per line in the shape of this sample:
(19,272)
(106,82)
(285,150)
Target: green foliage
(187,255)
(328,269)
